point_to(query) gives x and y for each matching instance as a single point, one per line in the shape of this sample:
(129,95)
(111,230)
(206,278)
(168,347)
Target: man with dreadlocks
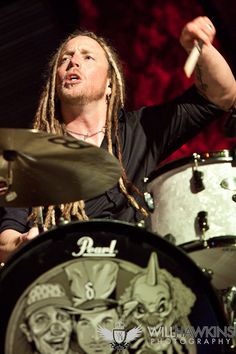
(84,97)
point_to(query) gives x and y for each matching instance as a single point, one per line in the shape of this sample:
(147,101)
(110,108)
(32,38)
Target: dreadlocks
(48,118)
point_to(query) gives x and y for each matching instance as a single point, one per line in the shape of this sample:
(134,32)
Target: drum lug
(229,183)
(148,198)
(149,201)
(202,223)
(141,224)
(170,238)
(197,184)
(62,221)
(208,273)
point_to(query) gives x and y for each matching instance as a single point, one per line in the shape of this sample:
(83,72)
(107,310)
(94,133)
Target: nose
(75,61)
(95,335)
(56,328)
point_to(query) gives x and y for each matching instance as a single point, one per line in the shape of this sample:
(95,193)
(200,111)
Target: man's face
(50,329)
(88,337)
(82,74)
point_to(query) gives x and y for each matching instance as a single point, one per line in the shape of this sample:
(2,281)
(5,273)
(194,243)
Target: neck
(86,122)
(87,135)
(85,119)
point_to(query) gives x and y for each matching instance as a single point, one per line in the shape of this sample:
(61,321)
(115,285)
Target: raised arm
(213,76)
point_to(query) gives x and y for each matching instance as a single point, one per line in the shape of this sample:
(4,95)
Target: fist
(201,28)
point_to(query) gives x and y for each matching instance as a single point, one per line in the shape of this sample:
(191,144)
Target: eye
(83,323)
(41,319)
(140,308)
(89,57)
(162,306)
(64,59)
(107,321)
(63,316)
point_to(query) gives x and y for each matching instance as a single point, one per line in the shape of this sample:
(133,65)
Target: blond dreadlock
(48,119)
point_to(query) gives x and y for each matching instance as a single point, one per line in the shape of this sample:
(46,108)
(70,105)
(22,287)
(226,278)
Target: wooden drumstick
(193,58)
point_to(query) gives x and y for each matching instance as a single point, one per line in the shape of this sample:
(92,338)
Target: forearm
(214,78)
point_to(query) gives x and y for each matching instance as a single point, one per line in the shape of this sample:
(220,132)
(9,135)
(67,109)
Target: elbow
(227,100)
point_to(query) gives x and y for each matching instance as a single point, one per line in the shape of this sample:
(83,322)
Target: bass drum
(195,205)
(106,286)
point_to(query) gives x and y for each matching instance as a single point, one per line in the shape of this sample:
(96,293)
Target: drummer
(84,97)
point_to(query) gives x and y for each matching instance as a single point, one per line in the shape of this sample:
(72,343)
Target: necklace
(87,136)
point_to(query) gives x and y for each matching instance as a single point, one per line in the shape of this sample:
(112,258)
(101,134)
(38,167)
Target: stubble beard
(80,98)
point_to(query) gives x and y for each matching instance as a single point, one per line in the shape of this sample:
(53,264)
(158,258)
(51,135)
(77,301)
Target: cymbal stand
(40,223)
(6,183)
(229,302)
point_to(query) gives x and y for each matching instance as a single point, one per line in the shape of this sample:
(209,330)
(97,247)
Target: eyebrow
(40,313)
(89,319)
(83,51)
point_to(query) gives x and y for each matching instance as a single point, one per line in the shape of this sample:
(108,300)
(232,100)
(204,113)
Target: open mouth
(72,79)
(57,343)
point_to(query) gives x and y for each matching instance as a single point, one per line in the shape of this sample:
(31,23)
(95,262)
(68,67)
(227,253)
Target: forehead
(99,316)
(48,310)
(84,43)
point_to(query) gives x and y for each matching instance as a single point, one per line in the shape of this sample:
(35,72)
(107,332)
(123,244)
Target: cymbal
(48,169)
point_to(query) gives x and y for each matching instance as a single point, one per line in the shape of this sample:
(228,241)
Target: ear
(109,87)
(26,332)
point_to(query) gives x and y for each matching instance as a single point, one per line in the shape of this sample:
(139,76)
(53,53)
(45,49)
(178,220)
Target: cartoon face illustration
(88,336)
(155,299)
(47,319)
(154,303)
(49,328)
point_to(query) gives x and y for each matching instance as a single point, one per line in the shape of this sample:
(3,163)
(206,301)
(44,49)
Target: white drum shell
(177,207)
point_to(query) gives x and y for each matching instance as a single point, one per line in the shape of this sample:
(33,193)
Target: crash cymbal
(48,169)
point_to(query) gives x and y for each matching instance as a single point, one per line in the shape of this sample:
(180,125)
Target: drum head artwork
(107,287)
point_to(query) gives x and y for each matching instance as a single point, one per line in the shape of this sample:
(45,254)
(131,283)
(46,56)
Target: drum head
(217,256)
(191,200)
(103,287)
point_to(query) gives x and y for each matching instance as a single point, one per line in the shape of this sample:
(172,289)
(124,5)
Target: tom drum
(195,205)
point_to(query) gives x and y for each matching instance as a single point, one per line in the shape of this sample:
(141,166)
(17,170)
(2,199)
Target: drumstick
(193,58)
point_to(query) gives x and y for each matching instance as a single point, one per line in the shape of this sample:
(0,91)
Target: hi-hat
(47,169)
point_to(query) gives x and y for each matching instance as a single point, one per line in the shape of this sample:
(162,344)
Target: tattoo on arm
(202,87)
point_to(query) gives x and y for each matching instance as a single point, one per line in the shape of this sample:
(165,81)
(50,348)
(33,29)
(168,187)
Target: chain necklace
(87,136)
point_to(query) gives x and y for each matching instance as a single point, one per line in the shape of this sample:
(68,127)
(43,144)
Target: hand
(201,28)
(11,240)
(32,233)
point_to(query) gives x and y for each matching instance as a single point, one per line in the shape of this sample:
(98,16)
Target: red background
(146,36)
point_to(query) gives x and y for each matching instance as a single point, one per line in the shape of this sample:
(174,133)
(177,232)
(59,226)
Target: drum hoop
(211,243)
(93,225)
(204,158)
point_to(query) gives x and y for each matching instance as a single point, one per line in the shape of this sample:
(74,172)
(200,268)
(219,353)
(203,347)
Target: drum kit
(177,283)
